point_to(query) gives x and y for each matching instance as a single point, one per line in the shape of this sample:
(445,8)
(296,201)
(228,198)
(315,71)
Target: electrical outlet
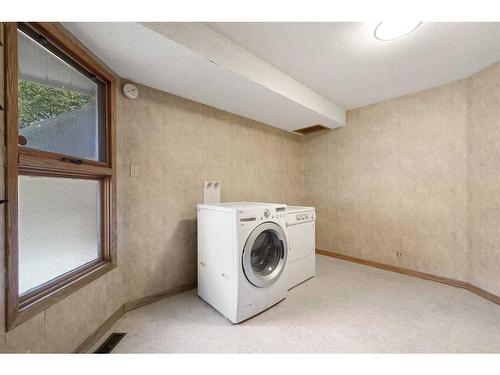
(134,170)
(399,254)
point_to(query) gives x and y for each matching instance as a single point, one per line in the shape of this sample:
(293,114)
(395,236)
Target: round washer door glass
(264,255)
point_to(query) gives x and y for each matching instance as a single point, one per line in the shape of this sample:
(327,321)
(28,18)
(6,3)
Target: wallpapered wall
(393,180)
(483,178)
(178,144)
(416,175)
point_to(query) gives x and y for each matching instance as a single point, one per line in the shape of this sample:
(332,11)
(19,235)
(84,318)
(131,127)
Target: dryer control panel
(301,217)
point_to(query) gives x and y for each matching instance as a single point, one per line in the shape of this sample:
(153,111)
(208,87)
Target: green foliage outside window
(38,102)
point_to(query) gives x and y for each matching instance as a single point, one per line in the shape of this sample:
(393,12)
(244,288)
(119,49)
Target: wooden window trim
(27,161)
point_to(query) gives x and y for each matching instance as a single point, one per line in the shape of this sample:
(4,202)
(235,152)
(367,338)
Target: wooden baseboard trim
(422,275)
(90,341)
(388,267)
(483,293)
(158,296)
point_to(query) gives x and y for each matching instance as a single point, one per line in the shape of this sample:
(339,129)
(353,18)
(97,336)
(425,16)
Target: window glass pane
(60,106)
(59,221)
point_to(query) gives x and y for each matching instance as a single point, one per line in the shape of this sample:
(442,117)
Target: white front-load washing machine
(242,256)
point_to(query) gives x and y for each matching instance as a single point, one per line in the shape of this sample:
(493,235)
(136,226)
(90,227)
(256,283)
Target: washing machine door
(264,254)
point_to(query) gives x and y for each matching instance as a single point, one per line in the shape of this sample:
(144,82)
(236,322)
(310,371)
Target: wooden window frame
(26,161)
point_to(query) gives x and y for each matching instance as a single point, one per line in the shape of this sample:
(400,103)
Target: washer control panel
(262,214)
(279,213)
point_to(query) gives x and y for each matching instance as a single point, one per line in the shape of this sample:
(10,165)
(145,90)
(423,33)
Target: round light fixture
(393,30)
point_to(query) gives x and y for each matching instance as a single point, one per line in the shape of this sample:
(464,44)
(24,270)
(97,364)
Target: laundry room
(181,187)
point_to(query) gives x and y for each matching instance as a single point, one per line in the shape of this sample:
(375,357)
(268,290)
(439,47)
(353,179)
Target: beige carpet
(346,308)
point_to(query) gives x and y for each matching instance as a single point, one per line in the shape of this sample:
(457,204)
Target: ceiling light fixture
(386,31)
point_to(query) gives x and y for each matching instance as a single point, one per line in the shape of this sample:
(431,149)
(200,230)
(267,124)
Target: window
(61,105)
(59,221)
(60,168)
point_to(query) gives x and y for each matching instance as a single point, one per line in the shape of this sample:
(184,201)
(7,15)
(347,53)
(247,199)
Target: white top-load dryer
(242,256)
(301,240)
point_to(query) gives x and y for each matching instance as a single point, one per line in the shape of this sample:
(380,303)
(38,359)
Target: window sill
(38,301)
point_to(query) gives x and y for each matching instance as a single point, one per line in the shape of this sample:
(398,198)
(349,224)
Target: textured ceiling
(347,65)
(138,53)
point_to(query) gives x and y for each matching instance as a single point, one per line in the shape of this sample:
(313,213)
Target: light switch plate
(134,170)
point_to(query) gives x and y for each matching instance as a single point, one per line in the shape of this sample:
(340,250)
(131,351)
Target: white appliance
(242,254)
(301,244)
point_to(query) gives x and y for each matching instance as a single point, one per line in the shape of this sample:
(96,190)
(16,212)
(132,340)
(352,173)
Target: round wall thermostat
(130,91)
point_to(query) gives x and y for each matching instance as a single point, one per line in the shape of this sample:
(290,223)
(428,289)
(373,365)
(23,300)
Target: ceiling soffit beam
(215,47)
